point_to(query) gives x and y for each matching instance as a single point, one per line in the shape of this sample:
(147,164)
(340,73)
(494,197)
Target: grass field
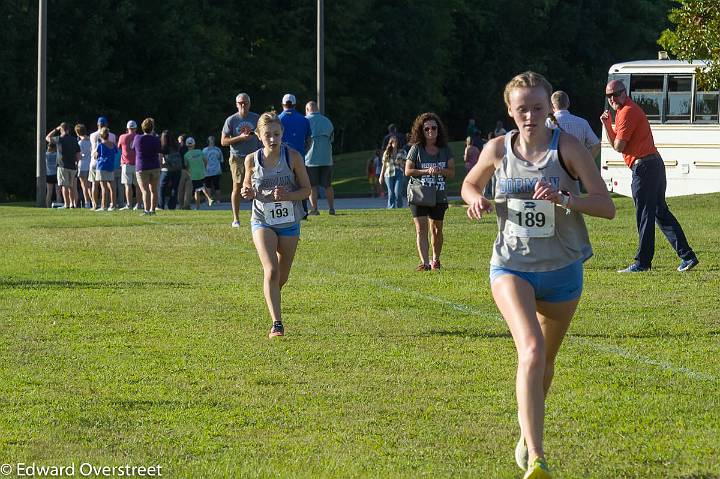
(128,340)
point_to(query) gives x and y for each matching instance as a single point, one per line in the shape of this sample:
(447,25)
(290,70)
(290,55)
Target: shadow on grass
(465,333)
(645,335)
(62,284)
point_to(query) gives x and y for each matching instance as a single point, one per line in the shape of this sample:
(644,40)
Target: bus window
(647,92)
(679,96)
(706,106)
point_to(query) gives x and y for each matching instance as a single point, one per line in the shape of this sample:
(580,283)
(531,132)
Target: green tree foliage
(696,37)
(183,62)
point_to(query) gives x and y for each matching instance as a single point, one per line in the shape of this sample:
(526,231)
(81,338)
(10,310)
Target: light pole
(320,57)
(41,84)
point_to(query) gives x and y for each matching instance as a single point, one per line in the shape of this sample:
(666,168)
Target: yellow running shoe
(538,470)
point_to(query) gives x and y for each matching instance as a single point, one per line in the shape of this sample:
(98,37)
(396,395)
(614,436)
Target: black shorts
(198,184)
(436,212)
(320,175)
(213,182)
(52,179)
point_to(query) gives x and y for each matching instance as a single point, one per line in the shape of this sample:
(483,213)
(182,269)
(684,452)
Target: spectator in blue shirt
(296,130)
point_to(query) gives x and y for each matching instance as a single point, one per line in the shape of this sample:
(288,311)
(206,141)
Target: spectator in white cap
(239,134)
(196,164)
(127,162)
(296,130)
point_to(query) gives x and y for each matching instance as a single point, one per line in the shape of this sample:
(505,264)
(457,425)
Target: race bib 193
(279,212)
(530,218)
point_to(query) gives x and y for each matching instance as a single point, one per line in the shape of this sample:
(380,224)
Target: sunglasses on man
(615,94)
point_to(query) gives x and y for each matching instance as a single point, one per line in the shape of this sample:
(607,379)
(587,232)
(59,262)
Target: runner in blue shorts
(277,182)
(542,242)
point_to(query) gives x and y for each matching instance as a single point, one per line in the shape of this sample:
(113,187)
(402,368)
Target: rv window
(647,92)
(679,98)
(706,107)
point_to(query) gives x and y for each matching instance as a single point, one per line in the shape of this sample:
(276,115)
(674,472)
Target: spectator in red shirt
(633,138)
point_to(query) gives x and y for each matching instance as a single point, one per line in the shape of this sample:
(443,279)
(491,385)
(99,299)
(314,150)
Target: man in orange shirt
(633,138)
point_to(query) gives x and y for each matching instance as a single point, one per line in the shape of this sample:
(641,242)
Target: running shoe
(112,208)
(435,265)
(236,224)
(145,213)
(688,264)
(423,267)
(314,213)
(211,202)
(538,470)
(136,207)
(331,211)
(126,207)
(277,330)
(634,268)
(100,209)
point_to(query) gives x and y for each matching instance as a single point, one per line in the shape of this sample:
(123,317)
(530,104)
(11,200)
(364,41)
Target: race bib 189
(530,218)
(279,212)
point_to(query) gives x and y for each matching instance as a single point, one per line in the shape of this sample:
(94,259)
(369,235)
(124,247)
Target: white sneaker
(136,207)
(112,208)
(126,207)
(236,224)
(100,209)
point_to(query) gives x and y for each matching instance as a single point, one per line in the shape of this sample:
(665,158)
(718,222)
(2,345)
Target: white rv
(684,121)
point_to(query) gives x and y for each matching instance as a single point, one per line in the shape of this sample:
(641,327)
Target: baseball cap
(102,121)
(131,124)
(288,98)
(190,141)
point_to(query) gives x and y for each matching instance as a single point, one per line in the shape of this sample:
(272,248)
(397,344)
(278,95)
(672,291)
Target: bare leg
(67,200)
(145,194)
(436,231)
(313,198)
(421,229)
(104,186)
(113,198)
(330,195)
(554,321)
(48,194)
(207,195)
(153,194)
(276,255)
(235,201)
(516,300)
(95,193)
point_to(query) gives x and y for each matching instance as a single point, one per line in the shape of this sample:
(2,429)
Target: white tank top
(535,235)
(265,210)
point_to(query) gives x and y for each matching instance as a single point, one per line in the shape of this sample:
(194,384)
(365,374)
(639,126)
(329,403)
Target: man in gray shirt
(239,134)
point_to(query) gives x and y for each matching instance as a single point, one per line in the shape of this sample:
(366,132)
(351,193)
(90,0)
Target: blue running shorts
(564,284)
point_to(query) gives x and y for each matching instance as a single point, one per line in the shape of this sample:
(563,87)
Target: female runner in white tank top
(277,182)
(536,268)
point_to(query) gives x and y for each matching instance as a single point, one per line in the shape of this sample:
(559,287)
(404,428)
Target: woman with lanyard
(432,160)
(277,182)
(536,269)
